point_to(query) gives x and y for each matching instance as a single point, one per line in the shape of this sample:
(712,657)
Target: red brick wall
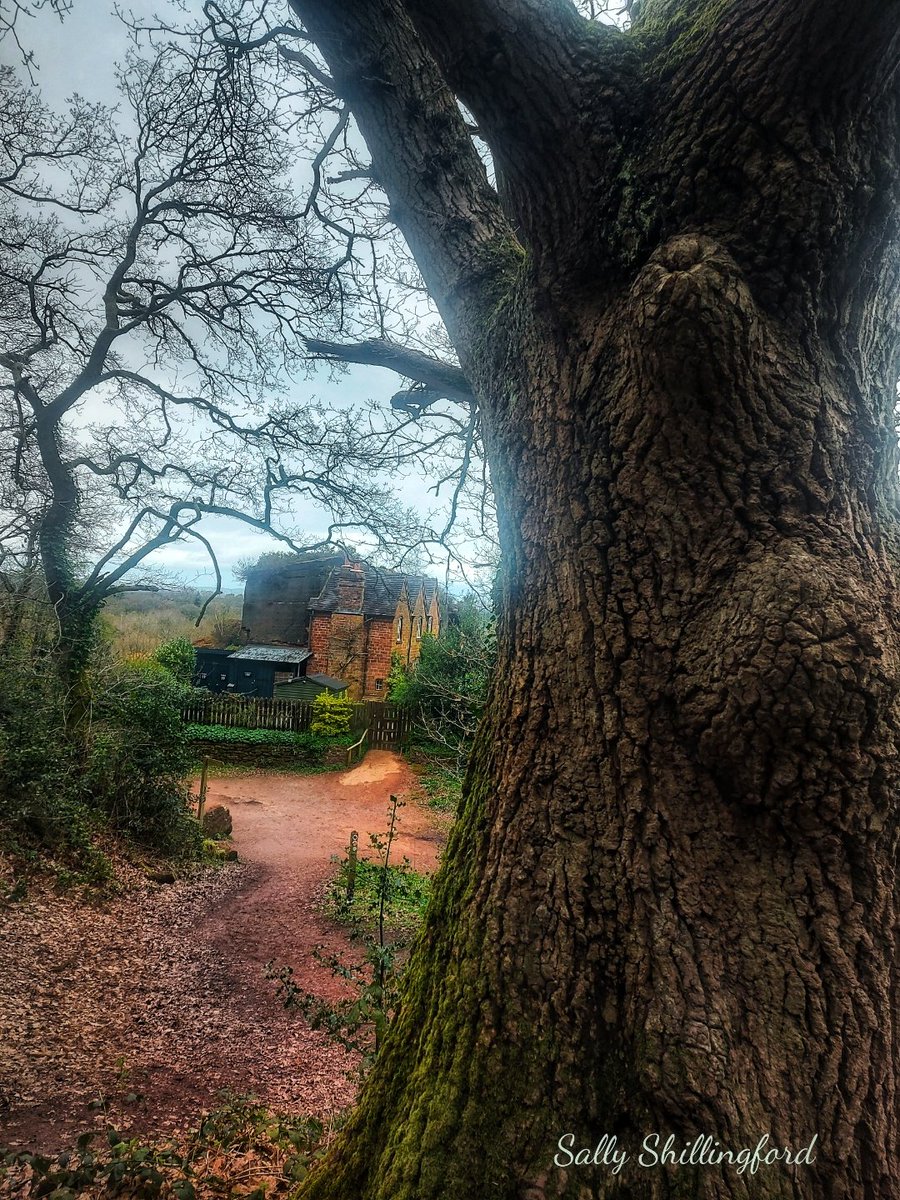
(382,643)
(346,650)
(318,644)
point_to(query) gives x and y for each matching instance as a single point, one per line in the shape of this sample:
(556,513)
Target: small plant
(331,714)
(383,897)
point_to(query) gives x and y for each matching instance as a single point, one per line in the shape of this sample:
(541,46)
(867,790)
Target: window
(419,630)
(429,623)
(399,629)
(379,685)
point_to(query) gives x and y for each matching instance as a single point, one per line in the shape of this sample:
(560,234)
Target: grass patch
(406,896)
(440,772)
(441,788)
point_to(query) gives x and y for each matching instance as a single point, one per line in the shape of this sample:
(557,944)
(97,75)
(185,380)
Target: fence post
(351,866)
(201,803)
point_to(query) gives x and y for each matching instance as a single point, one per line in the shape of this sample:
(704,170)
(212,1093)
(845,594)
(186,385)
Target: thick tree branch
(827,54)
(441,377)
(519,65)
(423,156)
(552,93)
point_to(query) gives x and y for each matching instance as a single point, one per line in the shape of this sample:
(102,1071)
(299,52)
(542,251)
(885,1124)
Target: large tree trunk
(74,612)
(670,903)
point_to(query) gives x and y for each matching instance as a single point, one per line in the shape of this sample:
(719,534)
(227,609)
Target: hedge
(267,747)
(310,742)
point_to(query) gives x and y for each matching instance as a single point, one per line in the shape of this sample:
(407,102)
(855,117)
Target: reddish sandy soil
(161,993)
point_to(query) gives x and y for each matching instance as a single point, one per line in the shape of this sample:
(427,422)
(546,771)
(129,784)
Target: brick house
(351,616)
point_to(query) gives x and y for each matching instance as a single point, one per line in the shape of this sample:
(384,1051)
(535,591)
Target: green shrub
(139,757)
(310,742)
(178,657)
(42,797)
(399,680)
(331,714)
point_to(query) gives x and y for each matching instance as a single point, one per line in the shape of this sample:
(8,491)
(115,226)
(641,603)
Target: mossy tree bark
(670,902)
(75,609)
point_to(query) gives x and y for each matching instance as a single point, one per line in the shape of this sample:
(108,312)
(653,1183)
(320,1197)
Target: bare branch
(444,378)
(449,214)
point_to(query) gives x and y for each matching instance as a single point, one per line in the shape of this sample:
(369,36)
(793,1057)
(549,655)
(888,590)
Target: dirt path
(160,993)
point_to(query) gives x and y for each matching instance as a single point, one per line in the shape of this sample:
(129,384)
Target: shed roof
(276,654)
(328,681)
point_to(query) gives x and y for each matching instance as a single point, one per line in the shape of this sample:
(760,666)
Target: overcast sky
(79,55)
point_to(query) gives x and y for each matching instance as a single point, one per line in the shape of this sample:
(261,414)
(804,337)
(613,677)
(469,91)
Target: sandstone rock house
(328,622)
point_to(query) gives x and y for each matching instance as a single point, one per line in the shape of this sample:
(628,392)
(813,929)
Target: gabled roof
(380,592)
(276,654)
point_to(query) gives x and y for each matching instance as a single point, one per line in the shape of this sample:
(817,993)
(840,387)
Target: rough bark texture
(670,902)
(74,610)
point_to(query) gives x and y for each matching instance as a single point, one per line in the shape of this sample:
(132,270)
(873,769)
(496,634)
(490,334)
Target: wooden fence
(388,724)
(249,713)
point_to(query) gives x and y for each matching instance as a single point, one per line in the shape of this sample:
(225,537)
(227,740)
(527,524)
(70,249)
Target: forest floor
(142,1009)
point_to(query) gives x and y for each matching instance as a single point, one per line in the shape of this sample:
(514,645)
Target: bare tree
(155,278)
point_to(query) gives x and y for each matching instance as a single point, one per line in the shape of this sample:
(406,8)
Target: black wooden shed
(250,671)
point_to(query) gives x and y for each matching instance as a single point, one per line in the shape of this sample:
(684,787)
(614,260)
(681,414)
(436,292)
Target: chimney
(350,587)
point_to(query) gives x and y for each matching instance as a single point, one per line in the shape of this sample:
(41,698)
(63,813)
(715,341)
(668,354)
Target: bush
(178,657)
(311,742)
(331,714)
(139,756)
(42,798)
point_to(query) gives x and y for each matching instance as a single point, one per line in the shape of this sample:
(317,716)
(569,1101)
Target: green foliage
(276,1153)
(448,683)
(406,894)
(124,767)
(312,744)
(399,678)
(178,657)
(42,798)
(331,714)
(441,786)
(139,756)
